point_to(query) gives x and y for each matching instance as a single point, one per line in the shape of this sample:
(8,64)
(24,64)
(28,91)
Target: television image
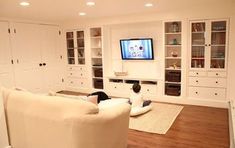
(137,49)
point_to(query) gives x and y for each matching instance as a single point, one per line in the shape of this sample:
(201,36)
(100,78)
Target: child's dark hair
(136,87)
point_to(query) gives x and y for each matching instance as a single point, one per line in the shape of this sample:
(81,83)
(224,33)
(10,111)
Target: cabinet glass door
(80,47)
(198,45)
(218,44)
(70,47)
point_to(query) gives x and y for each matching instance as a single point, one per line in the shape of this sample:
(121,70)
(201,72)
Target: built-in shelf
(173,58)
(96,57)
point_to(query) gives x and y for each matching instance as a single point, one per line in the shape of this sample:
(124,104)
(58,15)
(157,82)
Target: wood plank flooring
(195,127)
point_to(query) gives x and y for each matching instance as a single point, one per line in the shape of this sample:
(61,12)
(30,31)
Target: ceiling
(66,10)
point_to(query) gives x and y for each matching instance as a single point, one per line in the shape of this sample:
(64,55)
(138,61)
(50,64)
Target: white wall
(136,68)
(231,61)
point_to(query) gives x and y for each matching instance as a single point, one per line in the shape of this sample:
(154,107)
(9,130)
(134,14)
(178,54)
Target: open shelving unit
(96,57)
(172,33)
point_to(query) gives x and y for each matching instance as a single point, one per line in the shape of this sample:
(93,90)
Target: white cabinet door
(26,55)
(50,58)
(6,70)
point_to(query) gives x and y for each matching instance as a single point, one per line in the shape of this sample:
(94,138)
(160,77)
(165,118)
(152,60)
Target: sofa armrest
(107,129)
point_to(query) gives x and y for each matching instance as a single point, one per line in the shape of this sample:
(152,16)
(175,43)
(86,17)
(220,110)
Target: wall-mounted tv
(137,49)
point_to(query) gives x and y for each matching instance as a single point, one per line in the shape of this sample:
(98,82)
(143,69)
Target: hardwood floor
(195,127)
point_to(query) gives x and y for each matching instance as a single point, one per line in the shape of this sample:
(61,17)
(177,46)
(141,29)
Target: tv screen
(137,49)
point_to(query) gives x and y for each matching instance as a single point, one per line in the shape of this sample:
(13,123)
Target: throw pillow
(93,99)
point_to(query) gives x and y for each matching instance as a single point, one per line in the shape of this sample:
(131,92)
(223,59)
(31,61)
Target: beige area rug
(158,120)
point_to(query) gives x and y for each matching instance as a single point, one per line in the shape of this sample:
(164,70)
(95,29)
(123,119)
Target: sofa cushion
(47,104)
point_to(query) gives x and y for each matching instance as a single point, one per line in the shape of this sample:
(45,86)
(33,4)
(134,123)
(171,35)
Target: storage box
(173,90)
(98,72)
(98,83)
(173,76)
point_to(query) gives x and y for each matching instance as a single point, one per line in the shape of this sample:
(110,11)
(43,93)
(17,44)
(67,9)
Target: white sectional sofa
(37,121)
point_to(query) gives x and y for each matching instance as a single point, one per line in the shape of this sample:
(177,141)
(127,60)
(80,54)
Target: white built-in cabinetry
(207,78)
(6,68)
(77,73)
(96,57)
(173,47)
(34,54)
(123,86)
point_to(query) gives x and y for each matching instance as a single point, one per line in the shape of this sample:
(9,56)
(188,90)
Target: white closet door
(26,46)
(6,68)
(50,58)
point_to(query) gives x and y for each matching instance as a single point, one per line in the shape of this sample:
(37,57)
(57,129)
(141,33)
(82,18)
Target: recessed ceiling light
(148,5)
(24,3)
(90,3)
(82,13)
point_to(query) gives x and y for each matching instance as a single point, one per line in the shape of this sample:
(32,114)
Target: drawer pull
(197,73)
(216,82)
(115,87)
(197,81)
(196,92)
(216,94)
(217,74)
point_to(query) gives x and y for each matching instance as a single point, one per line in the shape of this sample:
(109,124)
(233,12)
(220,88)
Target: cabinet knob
(147,89)
(205,44)
(217,74)
(216,82)
(81,74)
(196,92)
(81,82)
(197,73)
(115,87)
(44,64)
(216,94)
(71,82)
(197,81)
(40,64)
(71,73)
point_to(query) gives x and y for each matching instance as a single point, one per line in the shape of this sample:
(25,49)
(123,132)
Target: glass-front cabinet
(75,47)
(208,44)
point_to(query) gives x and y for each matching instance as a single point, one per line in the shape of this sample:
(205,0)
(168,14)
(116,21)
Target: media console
(122,86)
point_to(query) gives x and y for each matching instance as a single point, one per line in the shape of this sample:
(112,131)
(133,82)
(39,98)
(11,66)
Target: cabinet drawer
(149,89)
(78,83)
(72,82)
(207,82)
(77,74)
(197,73)
(115,87)
(217,74)
(207,93)
(73,68)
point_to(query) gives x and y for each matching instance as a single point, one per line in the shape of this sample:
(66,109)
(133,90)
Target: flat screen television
(137,49)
